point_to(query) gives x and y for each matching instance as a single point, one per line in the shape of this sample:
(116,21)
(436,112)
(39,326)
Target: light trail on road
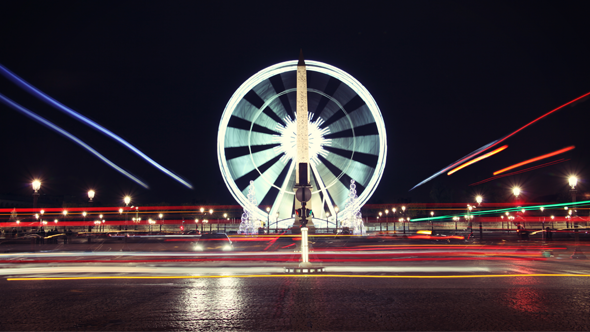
(309,276)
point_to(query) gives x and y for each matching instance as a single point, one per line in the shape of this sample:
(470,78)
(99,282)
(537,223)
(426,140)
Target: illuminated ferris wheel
(257,140)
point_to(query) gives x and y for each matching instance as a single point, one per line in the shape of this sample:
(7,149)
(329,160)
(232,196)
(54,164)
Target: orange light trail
(551,163)
(478,159)
(535,159)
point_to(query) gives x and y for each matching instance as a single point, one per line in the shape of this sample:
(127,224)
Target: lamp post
(544,236)
(573,181)
(126,200)
(161,221)
(120,213)
(65,213)
(386,221)
(336,216)
(403,215)
(393,212)
(470,223)
(380,227)
(41,213)
(225,223)
(36,186)
(431,223)
(268,220)
(211,224)
(479,199)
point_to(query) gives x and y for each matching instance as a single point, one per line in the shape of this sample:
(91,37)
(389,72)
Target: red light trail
(548,155)
(491,145)
(478,159)
(551,163)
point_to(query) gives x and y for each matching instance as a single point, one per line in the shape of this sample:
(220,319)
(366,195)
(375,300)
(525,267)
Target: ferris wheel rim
(287,66)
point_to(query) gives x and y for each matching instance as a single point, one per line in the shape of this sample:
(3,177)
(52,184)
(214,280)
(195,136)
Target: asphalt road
(298,303)
(369,284)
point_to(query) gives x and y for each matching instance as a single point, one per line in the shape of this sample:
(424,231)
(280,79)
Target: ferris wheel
(257,140)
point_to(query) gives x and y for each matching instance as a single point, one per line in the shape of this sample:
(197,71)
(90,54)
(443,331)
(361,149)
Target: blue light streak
(466,158)
(46,123)
(39,94)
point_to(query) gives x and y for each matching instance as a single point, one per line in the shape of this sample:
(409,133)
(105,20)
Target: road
(298,303)
(370,284)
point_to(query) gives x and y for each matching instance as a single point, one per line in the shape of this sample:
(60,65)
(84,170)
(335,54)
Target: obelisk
(302,173)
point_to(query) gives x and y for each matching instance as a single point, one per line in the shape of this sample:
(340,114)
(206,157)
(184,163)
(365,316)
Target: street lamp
(393,212)
(161,221)
(127,200)
(431,224)
(544,236)
(336,216)
(386,221)
(573,181)
(404,214)
(267,220)
(91,195)
(516,192)
(380,228)
(211,224)
(478,199)
(36,186)
(225,224)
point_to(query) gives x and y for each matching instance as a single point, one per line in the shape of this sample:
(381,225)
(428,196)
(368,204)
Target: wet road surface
(298,303)
(374,286)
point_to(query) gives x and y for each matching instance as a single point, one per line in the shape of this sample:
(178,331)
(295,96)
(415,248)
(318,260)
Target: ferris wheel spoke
(278,85)
(323,191)
(360,117)
(243,181)
(363,158)
(274,190)
(266,179)
(330,89)
(366,130)
(284,202)
(361,173)
(363,144)
(239,151)
(239,123)
(253,98)
(352,105)
(357,171)
(336,190)
(246,164)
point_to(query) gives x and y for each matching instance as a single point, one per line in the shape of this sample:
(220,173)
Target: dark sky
(448,76)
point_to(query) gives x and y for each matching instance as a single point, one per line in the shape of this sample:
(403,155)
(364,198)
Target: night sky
(448,76)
